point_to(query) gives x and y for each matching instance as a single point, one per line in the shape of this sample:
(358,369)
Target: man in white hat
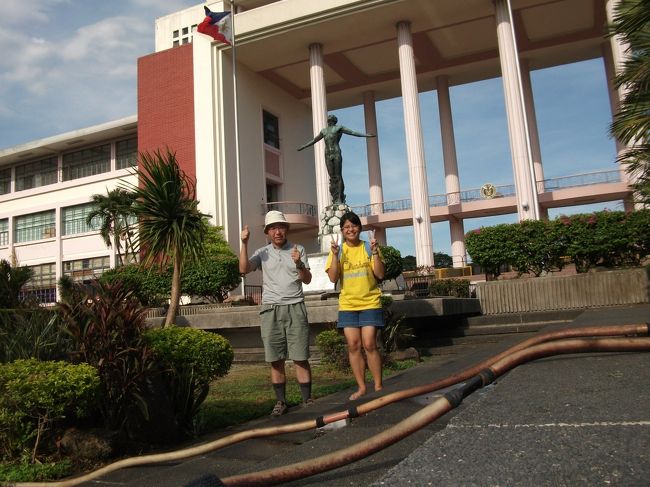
(284,325)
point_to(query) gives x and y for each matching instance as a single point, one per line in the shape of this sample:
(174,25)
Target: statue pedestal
(329,229)
(320,282)
(329,224)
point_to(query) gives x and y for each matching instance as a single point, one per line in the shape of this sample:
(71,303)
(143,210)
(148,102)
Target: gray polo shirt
(280,281)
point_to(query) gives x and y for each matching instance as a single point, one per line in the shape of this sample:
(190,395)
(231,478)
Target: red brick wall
(166,105)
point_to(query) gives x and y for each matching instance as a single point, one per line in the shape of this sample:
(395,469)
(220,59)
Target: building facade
(236,115)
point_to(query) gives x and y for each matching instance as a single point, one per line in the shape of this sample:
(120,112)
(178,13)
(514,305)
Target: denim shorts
(359,319)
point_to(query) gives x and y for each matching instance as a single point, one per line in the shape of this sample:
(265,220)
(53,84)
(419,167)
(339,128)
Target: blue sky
(69,64)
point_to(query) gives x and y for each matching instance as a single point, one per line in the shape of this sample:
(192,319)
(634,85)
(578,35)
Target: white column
(527,205)
(533,133)
(457,233)
(319,121)
(374,167)
(452,182)
(414,147)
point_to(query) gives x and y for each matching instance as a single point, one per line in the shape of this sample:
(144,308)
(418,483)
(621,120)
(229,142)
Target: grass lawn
(246,393)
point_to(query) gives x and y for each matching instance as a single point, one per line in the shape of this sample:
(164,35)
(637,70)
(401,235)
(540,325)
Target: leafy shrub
(489,247)
(333,349)
(604,238)
(150,285)
(216,274)
(392,262)
(457,288)
(192,359)
(106,323)
(34,395)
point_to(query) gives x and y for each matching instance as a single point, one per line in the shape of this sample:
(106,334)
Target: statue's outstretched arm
(348,131)
(312,141)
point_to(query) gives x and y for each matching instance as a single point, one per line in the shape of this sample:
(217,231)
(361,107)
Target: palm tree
(114,211)
(632,123)
(12,280)
(171,228)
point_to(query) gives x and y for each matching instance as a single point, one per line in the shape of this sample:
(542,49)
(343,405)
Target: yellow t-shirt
(359,288)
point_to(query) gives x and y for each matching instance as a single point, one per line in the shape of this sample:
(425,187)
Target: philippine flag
(218,25)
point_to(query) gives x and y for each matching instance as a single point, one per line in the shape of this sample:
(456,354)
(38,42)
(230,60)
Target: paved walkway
(572,420)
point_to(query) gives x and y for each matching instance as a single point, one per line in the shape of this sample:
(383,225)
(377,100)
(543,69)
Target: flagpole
(236,108)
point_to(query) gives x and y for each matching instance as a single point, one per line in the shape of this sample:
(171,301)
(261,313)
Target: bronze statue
(333,159)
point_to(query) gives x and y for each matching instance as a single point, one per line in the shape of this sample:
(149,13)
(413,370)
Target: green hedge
(34,395)
(192,360)
(604,238)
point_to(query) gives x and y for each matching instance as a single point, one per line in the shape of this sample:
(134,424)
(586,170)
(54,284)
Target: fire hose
(542,345)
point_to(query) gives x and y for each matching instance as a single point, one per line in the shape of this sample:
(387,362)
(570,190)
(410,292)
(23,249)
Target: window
(126,153)
(84,270)
(87,162)
(35,226)
(42,285)
(4,231)
(35,174)
(271,129)
(74,219)
(5,181)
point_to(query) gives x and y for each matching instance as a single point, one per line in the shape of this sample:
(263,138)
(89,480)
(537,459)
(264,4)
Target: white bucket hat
(272,217)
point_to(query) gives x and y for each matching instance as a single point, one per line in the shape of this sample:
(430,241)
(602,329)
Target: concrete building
(294,61)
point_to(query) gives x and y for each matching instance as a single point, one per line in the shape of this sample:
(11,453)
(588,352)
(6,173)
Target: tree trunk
(176,292)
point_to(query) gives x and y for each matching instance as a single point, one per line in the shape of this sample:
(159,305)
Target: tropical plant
(115,213)
(631,124)
(12,280)
(106,323)
(172,228)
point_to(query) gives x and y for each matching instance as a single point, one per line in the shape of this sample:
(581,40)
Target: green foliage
(210,278)
(34,395)
(114,211)
(442,260)
(537,247)
(192,359)
(632,122)
(409,263)
(605,238)
(608,239)
(32,333)
(24,471)
(395,334)
(490,247)
(12,279)
(333,349)
(392,262)
(106,323)
(215,275)
(457,288)
(150,286)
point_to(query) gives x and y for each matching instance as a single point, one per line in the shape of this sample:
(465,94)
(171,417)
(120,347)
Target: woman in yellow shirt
(359,266)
